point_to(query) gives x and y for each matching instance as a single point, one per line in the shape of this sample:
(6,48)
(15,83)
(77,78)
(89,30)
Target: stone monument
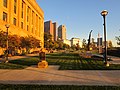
(42,63)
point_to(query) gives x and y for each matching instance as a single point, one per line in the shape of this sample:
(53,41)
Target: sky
(82,16)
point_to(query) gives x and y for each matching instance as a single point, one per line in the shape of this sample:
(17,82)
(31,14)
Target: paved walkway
(53,76)
(115,60)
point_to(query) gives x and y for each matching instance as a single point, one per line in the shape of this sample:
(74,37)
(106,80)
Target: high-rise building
(48,27)
(55,31)
(51,28)
(24,16)
(62,32)
(99,41)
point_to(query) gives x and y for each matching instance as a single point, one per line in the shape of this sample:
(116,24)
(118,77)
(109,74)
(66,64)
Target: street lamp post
(104,13)
(7,26)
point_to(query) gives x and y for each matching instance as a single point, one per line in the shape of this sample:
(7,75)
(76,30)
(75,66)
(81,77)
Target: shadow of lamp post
(7,26)
(104,13)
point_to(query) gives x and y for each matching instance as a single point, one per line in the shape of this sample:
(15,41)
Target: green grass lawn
(26,61)
(11,66)
(72,61)
(56,87)
(19,63)
(67,61)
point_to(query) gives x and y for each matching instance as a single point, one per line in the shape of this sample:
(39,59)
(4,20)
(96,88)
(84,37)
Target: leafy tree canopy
(118,40)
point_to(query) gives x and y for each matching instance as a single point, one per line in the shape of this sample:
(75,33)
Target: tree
(118,40)
(34,43)
(47,36)
(14,41)
(51,44)
(73,47)
(25,42)
(110,44)
(29,42)
(60,43)
(48,40)
(66,46)
(56,45)
(2,39)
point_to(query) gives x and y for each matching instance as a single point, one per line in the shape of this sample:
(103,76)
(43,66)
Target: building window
(22,14)
(22,4)
(14,21)
(32,16)
(22,25)
(15,5)
(32,30)
(5,3)
(22,9)
(4,16)
(28,10)
(39,26)
(27,27)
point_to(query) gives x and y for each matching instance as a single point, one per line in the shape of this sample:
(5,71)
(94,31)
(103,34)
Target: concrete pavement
(53,76)
(115,60)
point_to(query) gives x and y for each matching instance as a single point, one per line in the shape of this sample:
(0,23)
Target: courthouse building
(24,16)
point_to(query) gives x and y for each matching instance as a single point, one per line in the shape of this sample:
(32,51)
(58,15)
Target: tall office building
(62,32)
(24,16)
(99,43)
(48,27)
(99,40)
(55,31)
(51,28)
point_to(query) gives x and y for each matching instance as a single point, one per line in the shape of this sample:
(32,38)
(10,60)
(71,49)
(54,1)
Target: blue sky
(81,16)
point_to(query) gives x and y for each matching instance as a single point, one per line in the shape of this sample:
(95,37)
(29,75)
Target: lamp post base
(6,61)
(106,64)
(43,64)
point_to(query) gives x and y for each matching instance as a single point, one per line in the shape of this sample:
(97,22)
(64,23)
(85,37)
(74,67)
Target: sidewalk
(53,76)
(115,60)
